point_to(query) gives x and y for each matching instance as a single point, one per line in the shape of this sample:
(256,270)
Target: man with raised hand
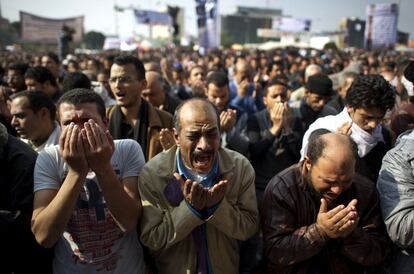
(198,198)
(319,216)
(86,199)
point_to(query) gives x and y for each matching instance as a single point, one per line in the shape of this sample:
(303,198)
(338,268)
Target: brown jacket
(292,241)
(157,120)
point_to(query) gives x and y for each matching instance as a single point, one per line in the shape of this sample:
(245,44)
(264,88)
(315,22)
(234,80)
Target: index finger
(334,211)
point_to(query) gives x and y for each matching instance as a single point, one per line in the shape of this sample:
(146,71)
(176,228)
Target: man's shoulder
(162,164)
(288,178)
(232,154)
(159,117)
(328,110)
(126,145)
(363,185)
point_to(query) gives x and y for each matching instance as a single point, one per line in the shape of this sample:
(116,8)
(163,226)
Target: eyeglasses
(123,80)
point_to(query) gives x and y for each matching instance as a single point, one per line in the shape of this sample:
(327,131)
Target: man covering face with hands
(86,196)
(319,216)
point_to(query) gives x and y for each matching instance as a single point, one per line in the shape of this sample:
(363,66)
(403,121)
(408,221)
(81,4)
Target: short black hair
(177,112)
(74,80)
(38,100)
(52,56)
(275,63)
(317,144)
(370,91)
(41,75)
(79,96)
(273,82)
(217,78)
(129,59)
(20,67)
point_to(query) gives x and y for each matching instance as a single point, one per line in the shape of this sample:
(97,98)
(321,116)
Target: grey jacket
(396,189)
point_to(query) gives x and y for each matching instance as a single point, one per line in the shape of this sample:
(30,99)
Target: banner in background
(208,23)
(381,25)
(152,17)
(291,24)
(40,29)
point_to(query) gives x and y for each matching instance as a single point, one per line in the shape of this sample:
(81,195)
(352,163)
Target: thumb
(178,177)
(353,203)
(324,206)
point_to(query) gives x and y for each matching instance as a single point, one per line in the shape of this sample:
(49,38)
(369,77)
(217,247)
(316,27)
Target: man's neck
(131,113)
(42,139)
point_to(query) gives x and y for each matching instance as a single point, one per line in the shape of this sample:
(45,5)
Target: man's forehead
(68,108)
(123,69)
(20,103)
(199,127)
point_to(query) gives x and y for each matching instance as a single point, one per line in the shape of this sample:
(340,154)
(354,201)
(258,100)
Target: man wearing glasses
(132,117)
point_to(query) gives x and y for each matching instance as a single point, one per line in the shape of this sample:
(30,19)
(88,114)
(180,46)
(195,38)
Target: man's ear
(176,138)
(44,113)
(144,84)
(350,109)
(306,165)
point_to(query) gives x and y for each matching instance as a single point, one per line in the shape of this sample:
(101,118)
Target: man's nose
(337,189)
(14,122)
(202,143)
(373,124)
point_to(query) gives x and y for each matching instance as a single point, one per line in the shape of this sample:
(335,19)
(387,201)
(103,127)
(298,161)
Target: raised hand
(193,192)
(217,192)
(5,104)
(243,88)
(287,117)
(276,116)
(228,119)
(345,129)
(353,220)
(337,222)
(72,150)
(166,138)
(98,146)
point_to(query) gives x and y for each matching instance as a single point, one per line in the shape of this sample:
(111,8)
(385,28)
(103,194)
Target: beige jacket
(166,228)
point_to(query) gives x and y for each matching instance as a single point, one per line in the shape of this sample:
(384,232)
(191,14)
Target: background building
(241,27)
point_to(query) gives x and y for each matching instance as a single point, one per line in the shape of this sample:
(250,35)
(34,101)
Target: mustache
(198,153)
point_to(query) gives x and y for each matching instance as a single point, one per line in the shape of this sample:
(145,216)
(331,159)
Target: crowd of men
(167,161)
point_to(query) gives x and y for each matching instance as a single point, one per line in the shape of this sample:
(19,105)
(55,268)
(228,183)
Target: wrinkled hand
(166,138)
(217,192)
(98,146)
(287,117)
(345,129)
(243,88)
(338,222)
(72,150)
(228,119)
(352,223)
(193,192)
(276,116)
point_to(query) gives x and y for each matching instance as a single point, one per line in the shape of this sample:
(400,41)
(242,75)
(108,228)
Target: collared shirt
(200,232)
(52,140)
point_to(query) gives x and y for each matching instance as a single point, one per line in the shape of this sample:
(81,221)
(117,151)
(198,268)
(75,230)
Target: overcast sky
(100,15)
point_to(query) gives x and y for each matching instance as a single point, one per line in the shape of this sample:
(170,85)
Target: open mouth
(120,95)
(202,161)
